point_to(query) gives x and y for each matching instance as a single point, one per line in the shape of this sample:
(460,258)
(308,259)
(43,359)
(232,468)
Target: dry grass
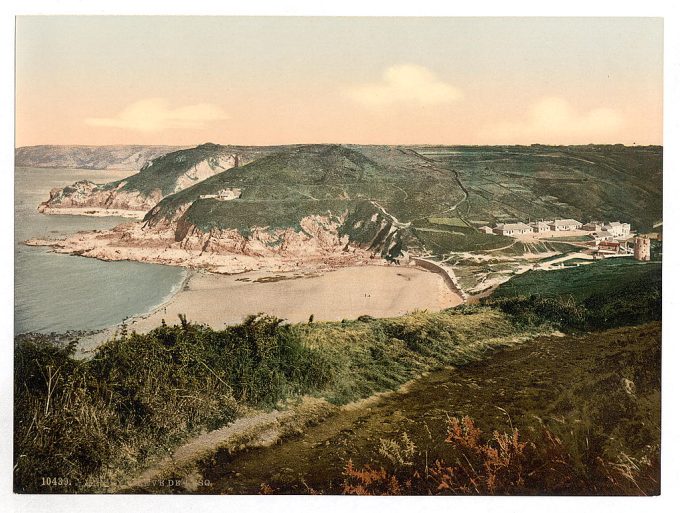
(502,463)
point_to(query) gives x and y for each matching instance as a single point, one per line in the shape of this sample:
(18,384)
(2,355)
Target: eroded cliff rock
(319,245)
(156,179)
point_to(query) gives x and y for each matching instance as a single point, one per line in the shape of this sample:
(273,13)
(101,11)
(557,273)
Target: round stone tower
(641,249)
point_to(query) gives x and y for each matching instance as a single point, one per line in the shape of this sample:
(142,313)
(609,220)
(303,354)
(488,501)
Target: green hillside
(611,292)
(611,276)
(381,188)
(321,173)
(164,171)
(432,198)
(507,183)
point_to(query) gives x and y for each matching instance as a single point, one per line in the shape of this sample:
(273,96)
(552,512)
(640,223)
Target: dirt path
(435,165)
(501,248)
(540,378)
(395,221)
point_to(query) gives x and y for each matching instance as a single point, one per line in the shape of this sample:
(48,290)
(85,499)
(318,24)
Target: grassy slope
(165,170)
(326,173)
(610,276)
(280,189)
(614,292)
(606,440)
(444,192)
(583,182)
(141,394)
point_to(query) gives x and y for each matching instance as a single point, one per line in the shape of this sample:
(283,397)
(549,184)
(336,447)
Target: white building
(602,235)
(223,195)
(512,229)
(563,225)
(618,229)
(540,227)
(486,229)
(593,226)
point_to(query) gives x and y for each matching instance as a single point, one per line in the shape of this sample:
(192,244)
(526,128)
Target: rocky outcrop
(88,194)
(317,246)
(371,228)
(318,237)
(156,179)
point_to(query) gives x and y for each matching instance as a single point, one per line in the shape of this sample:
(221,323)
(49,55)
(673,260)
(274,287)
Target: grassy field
(580,182)
(609,276)
(613,292)
(574,238)
(445,241)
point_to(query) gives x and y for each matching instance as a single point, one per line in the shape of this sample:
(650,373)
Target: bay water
(56,293)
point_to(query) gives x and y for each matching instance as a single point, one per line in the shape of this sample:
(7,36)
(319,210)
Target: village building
(562,225)
(223,195)
(618,229)
(512,229)
(540,227)
(602,235)
(593,226)
(608,248)
(486,229)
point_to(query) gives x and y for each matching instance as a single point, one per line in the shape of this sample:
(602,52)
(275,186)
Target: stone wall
(447,274)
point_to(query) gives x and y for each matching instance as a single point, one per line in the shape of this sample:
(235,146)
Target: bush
(637,302)
(562,312)
(142,393)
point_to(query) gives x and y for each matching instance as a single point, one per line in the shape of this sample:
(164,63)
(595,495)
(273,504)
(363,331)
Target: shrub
(504,464)
(142,393)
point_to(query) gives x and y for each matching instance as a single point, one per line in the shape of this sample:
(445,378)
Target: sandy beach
(95,212)
(379,291)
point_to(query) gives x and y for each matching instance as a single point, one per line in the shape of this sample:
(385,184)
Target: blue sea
(56,293)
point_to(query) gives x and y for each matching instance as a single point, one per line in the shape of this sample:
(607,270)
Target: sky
(284,80)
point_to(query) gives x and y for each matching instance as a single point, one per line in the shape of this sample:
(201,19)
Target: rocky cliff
(86,194)
(318,246)
(157,178)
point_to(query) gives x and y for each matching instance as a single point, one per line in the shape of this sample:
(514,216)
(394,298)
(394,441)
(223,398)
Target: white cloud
(405,83)
(553,120)
(156,115)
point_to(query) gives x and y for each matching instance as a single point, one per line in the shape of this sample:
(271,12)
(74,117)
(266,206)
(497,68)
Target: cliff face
(318,245)
(318,237)
(205,169)
(156,179)
(86,194)
(370,228)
